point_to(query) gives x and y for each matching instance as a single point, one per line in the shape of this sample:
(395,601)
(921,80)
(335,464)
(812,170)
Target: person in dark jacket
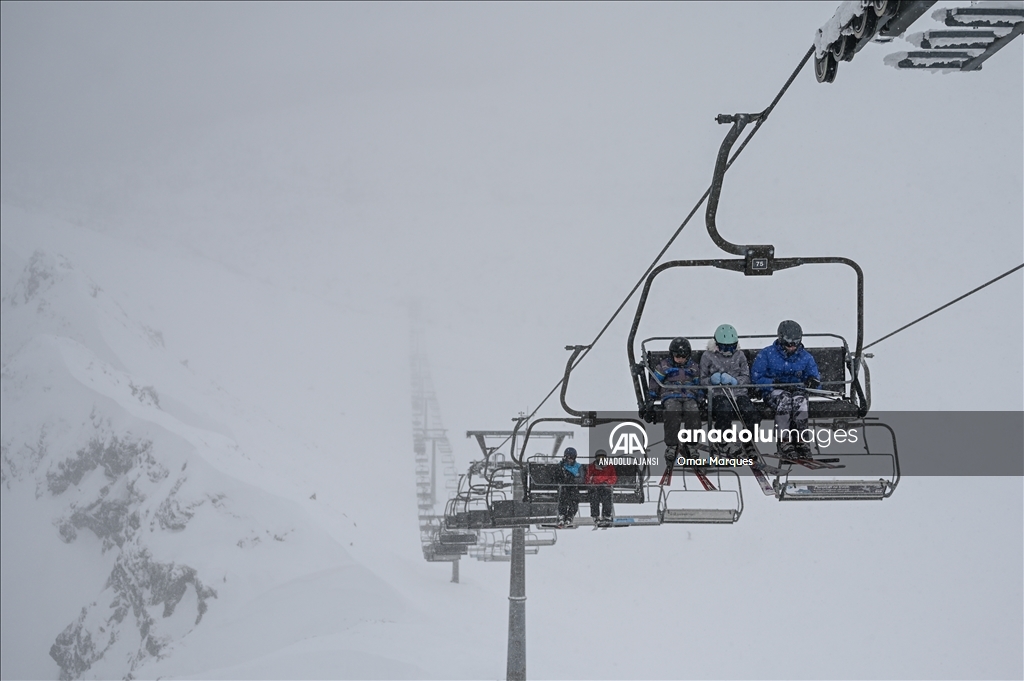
(570,475)
(600,476)
(676,378)
(785,368)
(724,365)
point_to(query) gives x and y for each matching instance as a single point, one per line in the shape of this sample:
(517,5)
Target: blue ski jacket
(773,365)
(677,382)
(571,472)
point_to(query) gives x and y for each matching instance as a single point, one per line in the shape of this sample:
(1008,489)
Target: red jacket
(605,475)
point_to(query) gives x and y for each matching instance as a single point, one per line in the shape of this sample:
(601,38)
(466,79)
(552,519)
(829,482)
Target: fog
(294,179)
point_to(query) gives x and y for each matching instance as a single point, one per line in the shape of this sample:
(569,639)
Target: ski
(708,485)
(571,525)
(811,464)
(827,394)
(666,477)
(762,480)
(670,464)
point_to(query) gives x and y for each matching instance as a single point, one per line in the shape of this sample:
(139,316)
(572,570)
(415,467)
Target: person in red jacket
(600,476)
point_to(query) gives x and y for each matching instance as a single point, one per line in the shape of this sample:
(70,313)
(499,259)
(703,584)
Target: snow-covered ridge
(98,434)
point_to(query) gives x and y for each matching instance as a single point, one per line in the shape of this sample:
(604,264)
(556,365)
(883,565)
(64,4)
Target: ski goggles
(727,347)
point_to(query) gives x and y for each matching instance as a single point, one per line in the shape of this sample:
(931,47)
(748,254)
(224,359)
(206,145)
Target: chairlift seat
(700,515)
(831,363)
(474,519)
(814,490)
(449,538)
(543,481)
(444,552)
(704,506)
(533,539)
(507,513)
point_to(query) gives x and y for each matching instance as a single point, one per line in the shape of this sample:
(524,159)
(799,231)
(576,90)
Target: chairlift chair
(843,371)
(687,501)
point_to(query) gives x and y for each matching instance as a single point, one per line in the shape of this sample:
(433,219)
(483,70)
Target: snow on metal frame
(835,26)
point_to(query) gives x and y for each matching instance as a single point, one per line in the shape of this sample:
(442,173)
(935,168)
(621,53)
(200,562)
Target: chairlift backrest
(543,481)
(831,363)
(833,366)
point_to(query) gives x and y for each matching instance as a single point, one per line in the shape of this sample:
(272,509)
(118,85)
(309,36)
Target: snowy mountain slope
(173,562)
(156,525)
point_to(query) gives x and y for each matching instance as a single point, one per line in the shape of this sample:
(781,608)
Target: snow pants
(723,413)
(791,410)
(601,495)
(679,411)
(568,501)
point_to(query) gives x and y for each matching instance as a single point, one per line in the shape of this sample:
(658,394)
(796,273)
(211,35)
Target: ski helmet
(790,332)
(570,452)
(726,335)
(680,347)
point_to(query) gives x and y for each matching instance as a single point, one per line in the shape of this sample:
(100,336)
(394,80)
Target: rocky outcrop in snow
(116,485)
(138,585)
(169,548)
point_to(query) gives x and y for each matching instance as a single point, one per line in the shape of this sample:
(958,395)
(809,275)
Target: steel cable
(943,307)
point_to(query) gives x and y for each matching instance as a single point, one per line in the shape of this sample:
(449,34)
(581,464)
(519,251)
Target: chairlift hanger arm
(526,437)
(520,420)
(739,121)
(576,350)
(588,420)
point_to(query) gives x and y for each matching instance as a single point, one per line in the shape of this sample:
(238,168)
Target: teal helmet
(726,335)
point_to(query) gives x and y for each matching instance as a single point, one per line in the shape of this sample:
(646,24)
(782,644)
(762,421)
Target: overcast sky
(515,167)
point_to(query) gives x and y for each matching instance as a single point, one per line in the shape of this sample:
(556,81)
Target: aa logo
(628,439)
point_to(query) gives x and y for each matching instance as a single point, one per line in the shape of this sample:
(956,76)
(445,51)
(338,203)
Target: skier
(724,365)
(570,475)
(600,476)
(677,373)
(786,364)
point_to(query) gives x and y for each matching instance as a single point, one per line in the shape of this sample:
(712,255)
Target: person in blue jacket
(785,368)
(570,475)
(676,383)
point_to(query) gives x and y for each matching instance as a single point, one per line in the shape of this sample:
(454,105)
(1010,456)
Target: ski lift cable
(943,307)
(762,118)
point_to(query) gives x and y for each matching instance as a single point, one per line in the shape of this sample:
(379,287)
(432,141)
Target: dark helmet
(681,347)
(600,454)
(570,453)
(790,332)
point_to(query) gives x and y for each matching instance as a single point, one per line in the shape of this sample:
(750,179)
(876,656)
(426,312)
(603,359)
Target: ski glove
(727,379)
(716,378)
(812,382)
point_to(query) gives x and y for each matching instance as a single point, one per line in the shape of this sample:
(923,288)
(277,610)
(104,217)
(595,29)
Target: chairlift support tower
(435,465)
